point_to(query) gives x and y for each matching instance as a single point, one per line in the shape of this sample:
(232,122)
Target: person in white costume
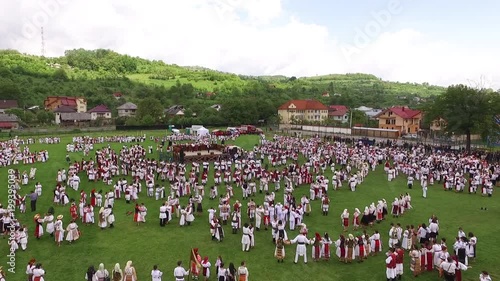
(301,241)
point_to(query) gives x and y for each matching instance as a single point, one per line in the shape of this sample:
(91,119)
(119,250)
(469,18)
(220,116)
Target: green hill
(97,74)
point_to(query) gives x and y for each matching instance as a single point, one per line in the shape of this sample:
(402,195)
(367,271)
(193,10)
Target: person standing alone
(33,198)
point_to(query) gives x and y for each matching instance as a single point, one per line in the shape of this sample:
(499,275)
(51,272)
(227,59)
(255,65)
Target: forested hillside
(98,74)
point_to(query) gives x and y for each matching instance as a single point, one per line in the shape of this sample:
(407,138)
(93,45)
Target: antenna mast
(43,43)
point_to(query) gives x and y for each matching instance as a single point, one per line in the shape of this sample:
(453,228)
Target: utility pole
(43,43)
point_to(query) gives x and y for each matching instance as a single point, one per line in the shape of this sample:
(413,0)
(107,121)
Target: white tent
(201,132)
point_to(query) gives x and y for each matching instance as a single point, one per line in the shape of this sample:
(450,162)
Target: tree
(42,117)
(148,120)
(466,111)
(9,90)
(151,107)
(60,75)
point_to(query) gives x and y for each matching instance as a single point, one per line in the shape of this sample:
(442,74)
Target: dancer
(301,241)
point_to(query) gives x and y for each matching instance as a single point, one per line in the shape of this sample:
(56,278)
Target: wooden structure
(186,153)
(375,132)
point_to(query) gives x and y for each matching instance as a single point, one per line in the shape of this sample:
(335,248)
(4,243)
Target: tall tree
(466,110)
(151,107)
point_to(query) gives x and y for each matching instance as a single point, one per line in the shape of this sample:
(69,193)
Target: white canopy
(201,131)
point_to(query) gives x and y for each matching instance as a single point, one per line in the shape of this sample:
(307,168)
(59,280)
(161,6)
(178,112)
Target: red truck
(249,130)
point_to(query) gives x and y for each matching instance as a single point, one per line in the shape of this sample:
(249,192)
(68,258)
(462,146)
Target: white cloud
(254,37)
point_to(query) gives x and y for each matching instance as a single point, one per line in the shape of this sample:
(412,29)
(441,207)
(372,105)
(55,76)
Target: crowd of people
(12,152)
(428,252)
(271,167)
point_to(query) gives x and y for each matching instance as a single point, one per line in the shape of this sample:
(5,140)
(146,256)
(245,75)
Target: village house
(100,111)
(9,121)
(117,95)
(127,110)
(371,113)
(78,119)
(338,113)
(401,118)
(302,110)
(53,102)
(7,104)
(437,125)
(175,110)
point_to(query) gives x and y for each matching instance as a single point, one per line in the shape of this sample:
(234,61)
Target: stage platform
(202,156)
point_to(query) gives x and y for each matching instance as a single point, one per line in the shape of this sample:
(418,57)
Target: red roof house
(53,102)
(401,118)
(100,111)
(338,113)
(8,104)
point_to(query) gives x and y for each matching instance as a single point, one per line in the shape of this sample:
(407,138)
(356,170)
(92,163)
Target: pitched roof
(303,105)
(364,108)
(7,104)
(100,109)
(402,111)
(78,116)
(127,106)
(65,109)
(337,110)
(68,102)
(8,118)
(174,110)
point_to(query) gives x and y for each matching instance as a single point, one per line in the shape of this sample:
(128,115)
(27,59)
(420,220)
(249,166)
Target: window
(387,121)
(393,121)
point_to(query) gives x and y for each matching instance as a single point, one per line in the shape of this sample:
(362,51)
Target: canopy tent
(199,131)
(202,132)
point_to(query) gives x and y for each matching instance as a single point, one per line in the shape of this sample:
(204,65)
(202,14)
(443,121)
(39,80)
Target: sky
(439,42)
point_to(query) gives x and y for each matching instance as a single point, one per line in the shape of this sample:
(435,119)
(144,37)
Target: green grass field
(199,84)
(148,244)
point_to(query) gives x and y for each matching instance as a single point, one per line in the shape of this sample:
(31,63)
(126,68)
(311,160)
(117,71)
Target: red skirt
(342,252)
(346,222)
(317,252)
(326,254)
(429,261)
(136,217)
(361,250)
(266,220)
(377,246)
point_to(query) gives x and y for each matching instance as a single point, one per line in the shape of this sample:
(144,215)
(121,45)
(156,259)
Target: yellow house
(438,125)
(302,110)
(53,102)
(400,118)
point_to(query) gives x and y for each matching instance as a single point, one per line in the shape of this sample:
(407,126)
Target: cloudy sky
(439,42)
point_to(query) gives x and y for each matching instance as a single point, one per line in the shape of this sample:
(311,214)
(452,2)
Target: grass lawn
(200,84)
(148,244)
